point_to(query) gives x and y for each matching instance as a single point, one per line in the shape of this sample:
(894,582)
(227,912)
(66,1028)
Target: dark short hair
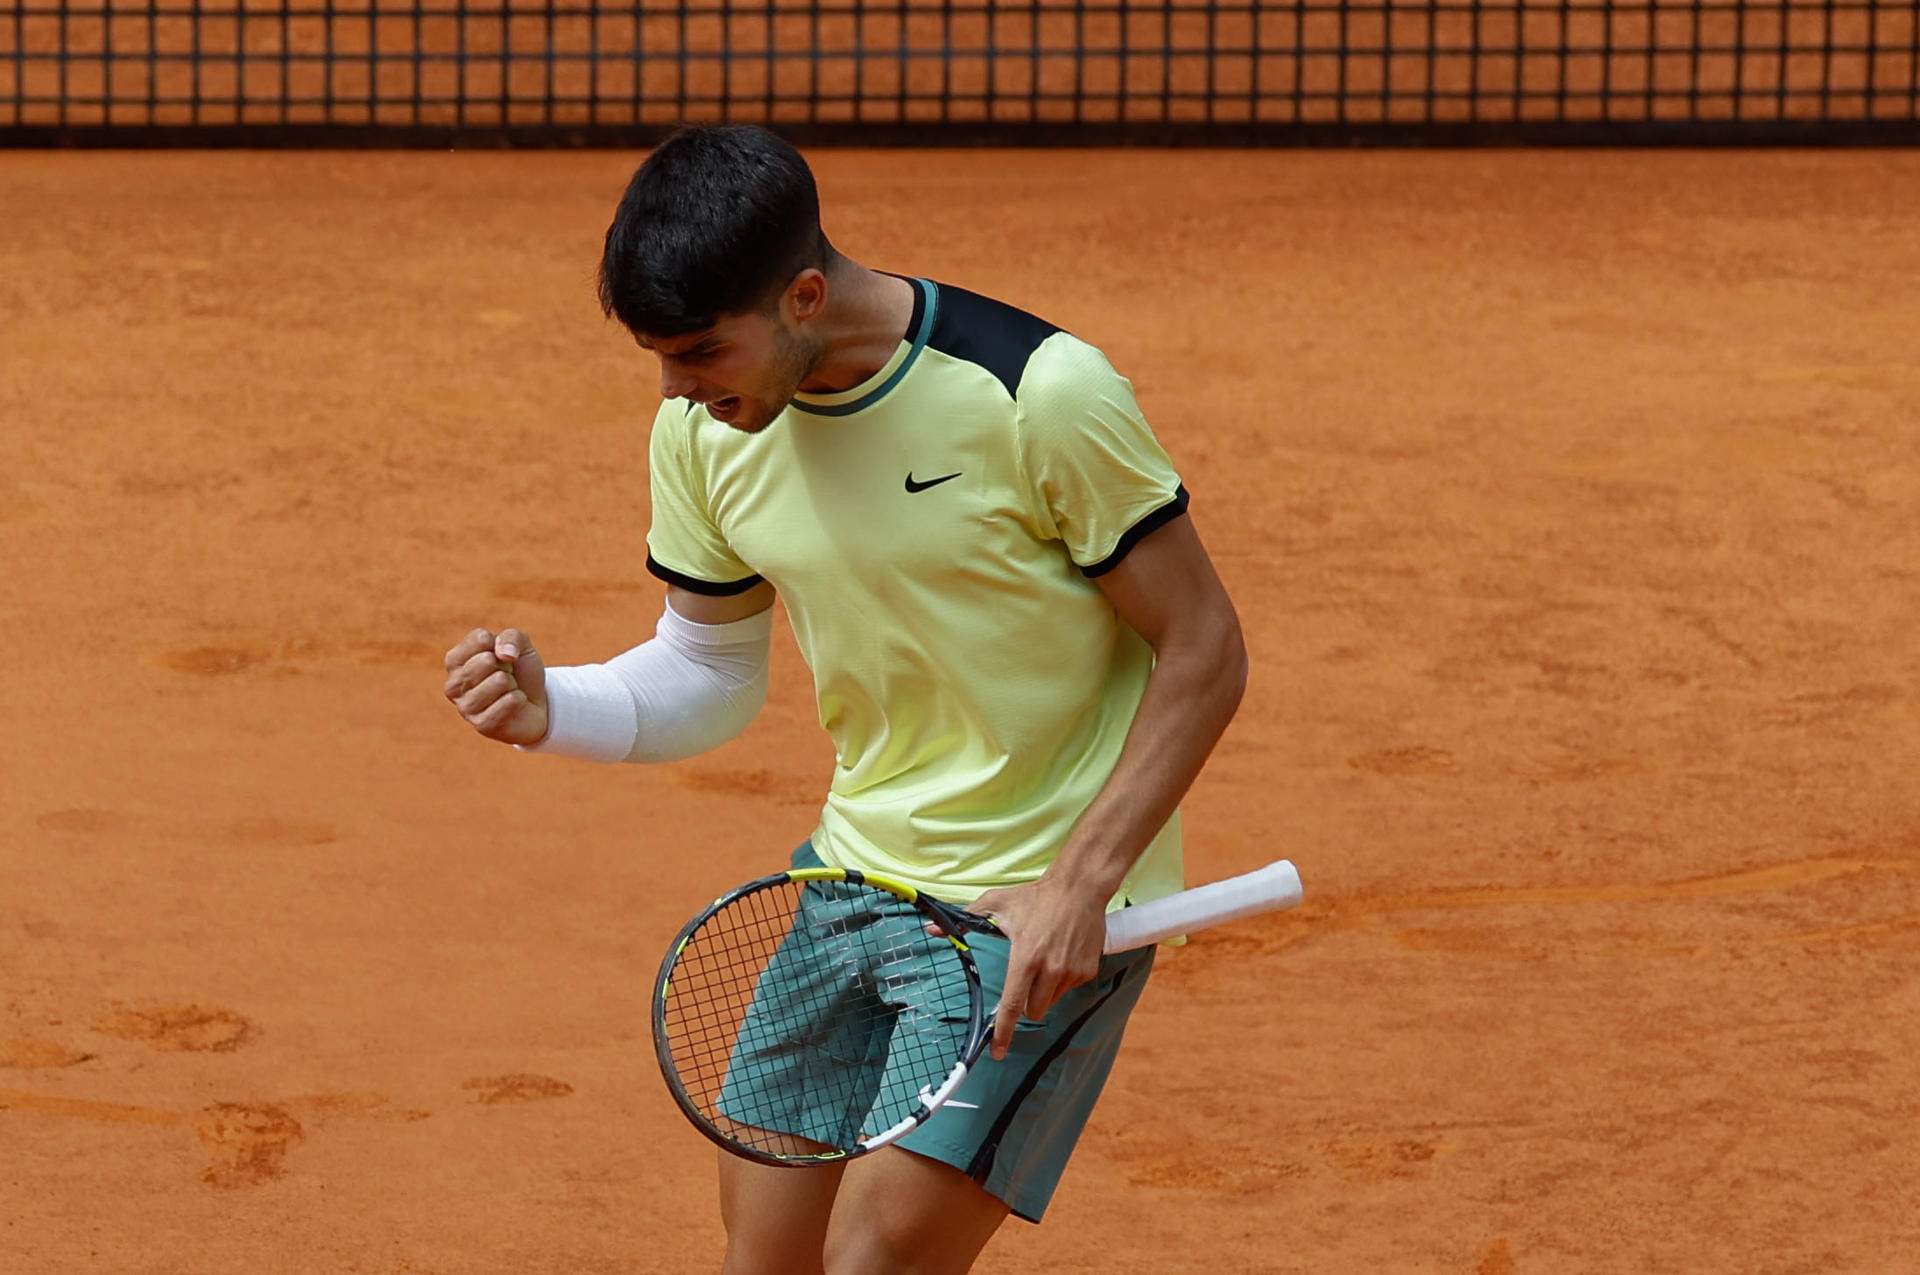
(716,222)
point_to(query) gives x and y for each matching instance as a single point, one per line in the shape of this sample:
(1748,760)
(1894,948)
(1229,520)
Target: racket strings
(802,1020)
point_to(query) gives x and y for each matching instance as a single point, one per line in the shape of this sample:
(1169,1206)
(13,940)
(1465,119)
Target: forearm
(690,689)
(1191,695)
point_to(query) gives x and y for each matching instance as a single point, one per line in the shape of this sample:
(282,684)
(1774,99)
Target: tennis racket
(809,1018)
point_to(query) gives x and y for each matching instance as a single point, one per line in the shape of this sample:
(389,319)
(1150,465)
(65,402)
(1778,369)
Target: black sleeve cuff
(1140,531)
(694,584)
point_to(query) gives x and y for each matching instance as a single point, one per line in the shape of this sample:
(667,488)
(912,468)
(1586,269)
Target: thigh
(776,1218)
(899,1213)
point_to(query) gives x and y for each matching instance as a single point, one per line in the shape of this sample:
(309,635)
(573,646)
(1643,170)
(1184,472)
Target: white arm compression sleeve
(693,687)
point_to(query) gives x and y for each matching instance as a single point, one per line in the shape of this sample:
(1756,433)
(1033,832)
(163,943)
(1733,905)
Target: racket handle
(1266,889)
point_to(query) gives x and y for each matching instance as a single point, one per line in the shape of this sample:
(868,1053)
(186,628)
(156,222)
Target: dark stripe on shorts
(982,1163)
(1140,531)
(694,584)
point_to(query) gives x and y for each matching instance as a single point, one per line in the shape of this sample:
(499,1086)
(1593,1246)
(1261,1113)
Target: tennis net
(1054,71)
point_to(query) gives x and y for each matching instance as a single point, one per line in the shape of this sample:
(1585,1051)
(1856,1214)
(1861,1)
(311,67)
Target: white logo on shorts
(926,1100)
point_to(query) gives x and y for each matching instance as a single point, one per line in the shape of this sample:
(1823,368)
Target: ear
(806,296)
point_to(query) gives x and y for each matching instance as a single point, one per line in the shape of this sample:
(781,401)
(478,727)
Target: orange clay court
(1568,499)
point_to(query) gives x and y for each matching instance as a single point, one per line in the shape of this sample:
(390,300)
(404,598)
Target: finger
(1013,1004)
(511,644)
(938,922)
(1070,979)
(483,697)
(986,907)
(478,668)
(466,647)
(939,930)
(1046,993)
(1040,998)
(500,712)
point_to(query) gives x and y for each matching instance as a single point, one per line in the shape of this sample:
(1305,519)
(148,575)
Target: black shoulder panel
(990,333)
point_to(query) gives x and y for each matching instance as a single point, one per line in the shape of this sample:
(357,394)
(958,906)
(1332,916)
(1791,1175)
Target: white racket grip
(1266,889)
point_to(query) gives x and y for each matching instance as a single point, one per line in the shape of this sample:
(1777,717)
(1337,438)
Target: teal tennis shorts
(1013,1122)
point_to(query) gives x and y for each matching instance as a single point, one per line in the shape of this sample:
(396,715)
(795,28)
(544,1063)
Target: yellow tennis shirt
(933,533)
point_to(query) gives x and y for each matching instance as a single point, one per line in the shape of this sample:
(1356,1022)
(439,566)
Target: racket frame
(953,923)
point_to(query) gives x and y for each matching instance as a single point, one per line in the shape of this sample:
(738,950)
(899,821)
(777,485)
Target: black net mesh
(1056,70)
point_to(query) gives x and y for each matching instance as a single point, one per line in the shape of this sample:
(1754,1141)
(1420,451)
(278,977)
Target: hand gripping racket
(808,1017)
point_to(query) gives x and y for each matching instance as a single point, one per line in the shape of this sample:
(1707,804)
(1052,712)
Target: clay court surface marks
(1567,502)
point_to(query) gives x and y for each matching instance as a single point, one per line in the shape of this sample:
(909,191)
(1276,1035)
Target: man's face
(745,368)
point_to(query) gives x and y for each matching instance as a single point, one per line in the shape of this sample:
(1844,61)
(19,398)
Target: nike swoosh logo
(926,1100)
(931,482)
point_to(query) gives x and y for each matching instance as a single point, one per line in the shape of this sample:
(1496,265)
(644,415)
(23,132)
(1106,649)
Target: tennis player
(1019,647)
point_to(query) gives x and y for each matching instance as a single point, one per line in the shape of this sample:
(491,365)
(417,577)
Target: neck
(865,318)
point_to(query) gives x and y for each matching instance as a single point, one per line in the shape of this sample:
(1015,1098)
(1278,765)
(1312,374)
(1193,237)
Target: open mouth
(724,408)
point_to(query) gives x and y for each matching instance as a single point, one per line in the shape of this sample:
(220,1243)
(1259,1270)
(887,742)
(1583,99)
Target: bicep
(707,608)
(1168,592)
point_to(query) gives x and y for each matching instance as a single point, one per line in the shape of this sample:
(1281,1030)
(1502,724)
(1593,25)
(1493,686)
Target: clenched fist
(499,684)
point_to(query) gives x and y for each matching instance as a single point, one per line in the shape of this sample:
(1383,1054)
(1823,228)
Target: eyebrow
(706,340)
